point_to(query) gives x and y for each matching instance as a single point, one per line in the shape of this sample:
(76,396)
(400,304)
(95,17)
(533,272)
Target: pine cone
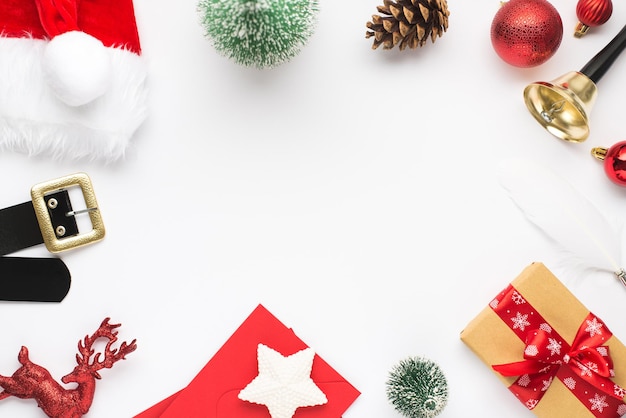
(408,23)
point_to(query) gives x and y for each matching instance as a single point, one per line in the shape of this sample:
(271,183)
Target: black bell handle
(602,61)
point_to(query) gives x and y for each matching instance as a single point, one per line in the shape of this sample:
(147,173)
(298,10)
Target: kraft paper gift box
(558,358)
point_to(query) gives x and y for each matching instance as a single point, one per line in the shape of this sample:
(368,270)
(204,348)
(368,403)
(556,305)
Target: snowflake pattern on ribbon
(594,327)
(524,380)
(545,327)
(554,346)
(598,403)
(584,366)
(517,298)
(546,384)
(531,350)
(570,383)
(531,403)
(584,370)
(520,321)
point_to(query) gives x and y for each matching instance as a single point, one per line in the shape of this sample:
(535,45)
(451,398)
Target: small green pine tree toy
(417,388)
(258,33)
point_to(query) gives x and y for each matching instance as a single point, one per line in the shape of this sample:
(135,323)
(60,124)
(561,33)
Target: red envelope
(213,392)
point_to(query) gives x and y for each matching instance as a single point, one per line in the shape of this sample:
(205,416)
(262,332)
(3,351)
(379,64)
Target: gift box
(558,358)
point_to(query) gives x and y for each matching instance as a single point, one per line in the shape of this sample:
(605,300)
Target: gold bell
(562,106)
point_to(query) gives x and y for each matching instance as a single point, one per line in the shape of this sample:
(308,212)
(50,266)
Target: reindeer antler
(111,355)
(33,381)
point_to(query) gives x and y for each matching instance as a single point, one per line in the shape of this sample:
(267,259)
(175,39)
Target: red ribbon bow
(585,366)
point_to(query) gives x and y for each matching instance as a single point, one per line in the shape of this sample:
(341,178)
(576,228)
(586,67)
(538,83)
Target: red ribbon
(585,367)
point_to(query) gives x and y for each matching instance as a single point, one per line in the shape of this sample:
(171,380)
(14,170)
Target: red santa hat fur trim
(72,79)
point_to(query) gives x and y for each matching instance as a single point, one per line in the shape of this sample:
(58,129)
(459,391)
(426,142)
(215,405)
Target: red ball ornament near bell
(614,161)
(526,33)
(592,13)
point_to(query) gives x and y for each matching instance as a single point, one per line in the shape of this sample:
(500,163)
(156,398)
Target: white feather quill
(576,226)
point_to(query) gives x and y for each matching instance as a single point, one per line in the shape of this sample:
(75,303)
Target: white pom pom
(77,67)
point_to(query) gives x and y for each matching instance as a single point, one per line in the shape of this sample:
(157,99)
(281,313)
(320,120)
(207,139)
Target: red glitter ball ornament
(526,33)
(614,160)
(592,13)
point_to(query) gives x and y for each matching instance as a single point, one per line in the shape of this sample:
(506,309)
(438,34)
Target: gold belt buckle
(50,239)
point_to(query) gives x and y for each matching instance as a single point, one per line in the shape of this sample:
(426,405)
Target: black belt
(47,219)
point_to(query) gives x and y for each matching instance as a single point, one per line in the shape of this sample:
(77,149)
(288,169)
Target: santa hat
(72,79)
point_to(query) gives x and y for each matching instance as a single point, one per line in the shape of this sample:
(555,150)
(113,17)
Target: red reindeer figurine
(34,381)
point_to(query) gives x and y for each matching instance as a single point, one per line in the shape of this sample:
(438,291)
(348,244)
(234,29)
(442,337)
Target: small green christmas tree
(417,388)
(258,33)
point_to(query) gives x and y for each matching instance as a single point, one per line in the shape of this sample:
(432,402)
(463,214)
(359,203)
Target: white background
(352,192)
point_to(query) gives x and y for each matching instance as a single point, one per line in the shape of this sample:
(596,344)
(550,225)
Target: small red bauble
(614,160)
(592,13)
(526,33)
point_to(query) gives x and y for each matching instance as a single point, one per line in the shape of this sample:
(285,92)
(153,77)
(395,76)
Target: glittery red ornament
(592,13)
(32,381)
(614,160)
(526,33)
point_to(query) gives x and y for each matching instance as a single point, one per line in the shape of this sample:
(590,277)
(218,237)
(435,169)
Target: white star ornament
(283,384)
